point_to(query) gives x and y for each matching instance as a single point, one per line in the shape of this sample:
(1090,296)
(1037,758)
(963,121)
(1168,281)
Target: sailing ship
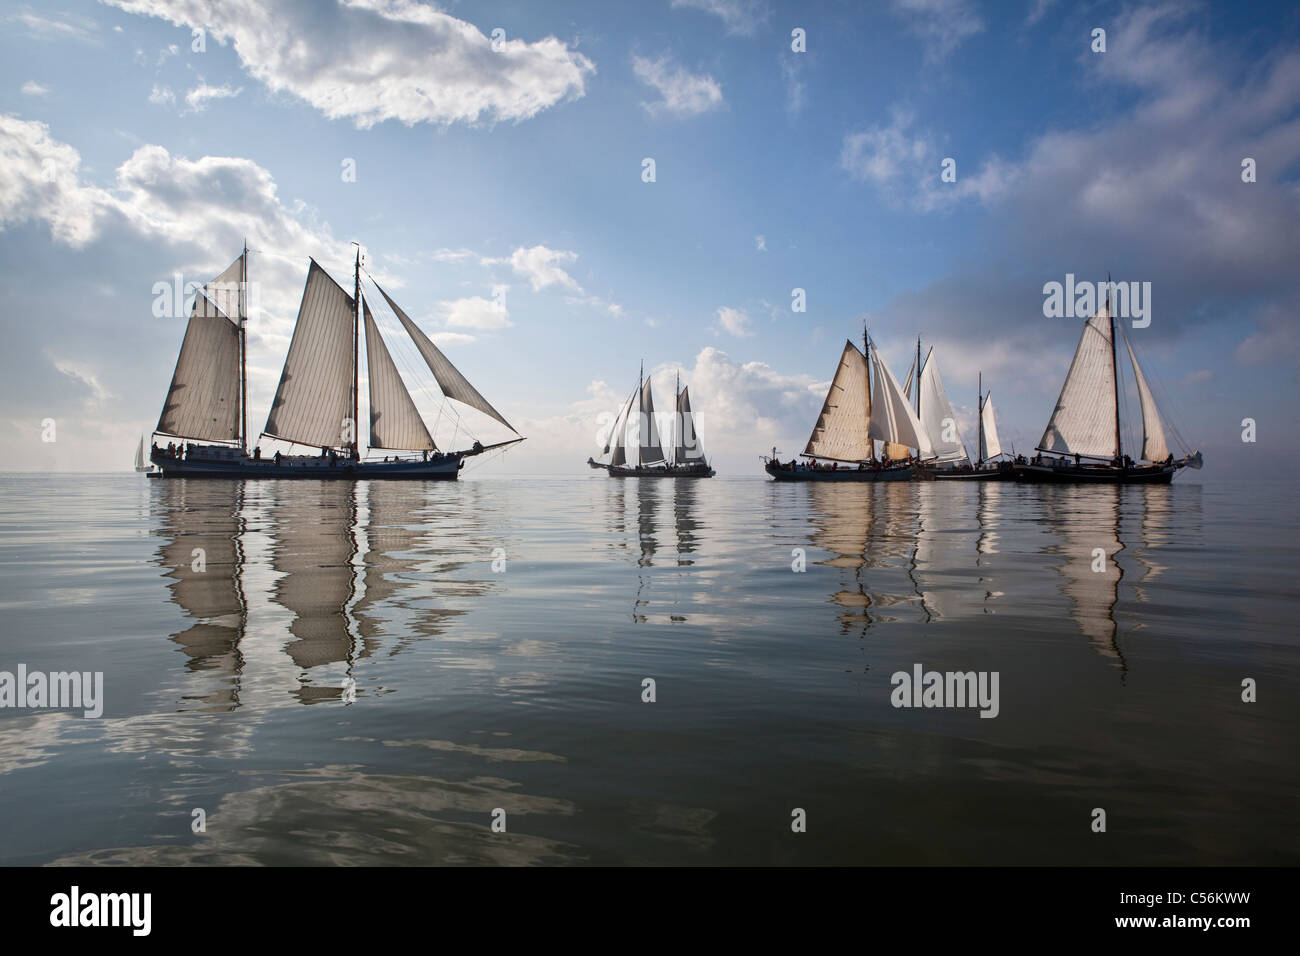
(687,461)
(317,401)
(1086,421)
(856,413)
(950,461)
(140,464)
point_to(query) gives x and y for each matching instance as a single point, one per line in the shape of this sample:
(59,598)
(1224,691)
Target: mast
(640,404)
(979,409)
(243,351)
(1114,362)
(866,354)
(917,381)
(356,351)
(677,412)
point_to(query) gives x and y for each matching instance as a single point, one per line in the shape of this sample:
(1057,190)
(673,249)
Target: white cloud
(734,322)
(32,88)
(540,266)
(1037,9)
(87,377)
(451,338)
(197,99)
(741,17)
(942,25)
(681,93)
(374,60)
(476,312)
(760,243)
(64,26)
(162,96)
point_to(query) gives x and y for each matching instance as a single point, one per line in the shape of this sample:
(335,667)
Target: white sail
(618,456)
(937,417)
(225,291)
(893,450)
(453,384)
(688,447)
(314,399)
(203,400)
(990,447)
(1154,446)
(892,418)
(647,430)
(1083,421)
(841,429)
(394,421)
(139,455)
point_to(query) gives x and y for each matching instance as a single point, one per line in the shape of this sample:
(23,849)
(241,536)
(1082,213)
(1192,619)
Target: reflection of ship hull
(700,470)
(803,473)
(223,464)
(1003,472)
(1097,474)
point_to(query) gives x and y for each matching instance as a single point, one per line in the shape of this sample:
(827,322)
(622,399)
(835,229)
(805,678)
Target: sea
(593,671)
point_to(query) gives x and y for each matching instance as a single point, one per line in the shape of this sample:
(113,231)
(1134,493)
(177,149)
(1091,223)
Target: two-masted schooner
(687,454)
(1086,421)
(317,401)
(950,461)
(856,413)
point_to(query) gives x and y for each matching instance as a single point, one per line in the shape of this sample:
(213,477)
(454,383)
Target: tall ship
(863,405)
(317,401)
(1082,442)
(950,460)
(645,458)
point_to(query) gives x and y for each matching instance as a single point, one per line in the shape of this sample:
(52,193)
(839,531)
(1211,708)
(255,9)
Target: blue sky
(516,175)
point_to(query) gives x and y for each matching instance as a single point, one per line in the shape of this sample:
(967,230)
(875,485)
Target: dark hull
(693,471)
(1097,474)
(1006,473)
(785,473)
(445,468)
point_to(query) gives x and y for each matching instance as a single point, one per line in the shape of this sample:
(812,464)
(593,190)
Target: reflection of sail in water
(846,522)
(1156,503)
(1087,522)
(203,555)
(988,518)
(647,501)
(684,520)
(313,549)
(395,597)
(947,543)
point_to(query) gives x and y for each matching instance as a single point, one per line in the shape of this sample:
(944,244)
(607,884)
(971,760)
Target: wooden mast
(1114,361)
(866,354)
(979,410)
(356,351)
(243,350)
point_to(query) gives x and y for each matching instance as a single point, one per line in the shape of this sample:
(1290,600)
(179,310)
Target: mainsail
(453,384)
(688,446)
(394,421)
(616,444)
(990,447)
(203,400)
(937,417)
(841,429)
(314,399)
(1083,421)
(1154,447)
(647,431)
(892,418)
(893,450)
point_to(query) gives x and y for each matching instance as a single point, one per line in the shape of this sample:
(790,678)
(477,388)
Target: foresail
(893,450)
(203,400)
(224,291)
(1083,421)
(394,421)
(892,418)
(937,417)
(688,447)
(618,456)
(841,429)
(453,384)
(990,447)
(647,430)
(314,399)
(1154,446)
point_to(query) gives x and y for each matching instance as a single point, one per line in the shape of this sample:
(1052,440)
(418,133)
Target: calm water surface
(349,680)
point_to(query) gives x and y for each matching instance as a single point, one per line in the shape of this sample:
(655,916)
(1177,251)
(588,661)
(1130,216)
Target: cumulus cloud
(32,88)
(681,93)
(375,60)
(734,322)
(476,312)
(197,99)
(541,267)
